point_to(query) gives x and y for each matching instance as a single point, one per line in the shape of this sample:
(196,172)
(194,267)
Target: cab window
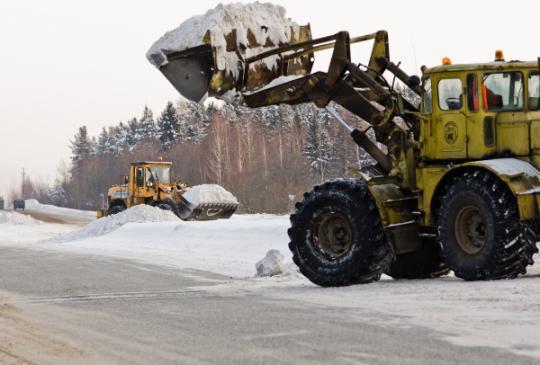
(150,178)
(534,91)
(428,97)
(450,94)
(140,176)
(472,92)
(502,91)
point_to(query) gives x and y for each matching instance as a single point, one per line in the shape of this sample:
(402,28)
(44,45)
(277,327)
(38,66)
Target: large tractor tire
(479,229)
(337,236)
(169,205)
(115,209)
(426,263)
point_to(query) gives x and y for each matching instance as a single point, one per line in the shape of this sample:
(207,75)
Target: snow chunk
(266,22)
(17,219)
(209,193)
(137,214)
(272,264)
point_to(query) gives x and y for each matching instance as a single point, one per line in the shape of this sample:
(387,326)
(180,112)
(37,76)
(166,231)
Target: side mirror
(126,179)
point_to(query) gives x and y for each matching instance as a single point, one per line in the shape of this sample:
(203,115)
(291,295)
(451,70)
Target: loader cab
(481,111)
(145,177)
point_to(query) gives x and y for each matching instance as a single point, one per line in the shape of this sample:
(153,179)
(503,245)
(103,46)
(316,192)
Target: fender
(521,177)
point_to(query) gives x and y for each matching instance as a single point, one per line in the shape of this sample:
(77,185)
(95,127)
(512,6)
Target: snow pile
(137,214)
(267,22)
(16,219)
(33,206)
(209,193)
(272,264)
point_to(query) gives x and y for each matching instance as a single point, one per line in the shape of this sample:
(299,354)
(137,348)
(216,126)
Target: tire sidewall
(366,230)
(455,255)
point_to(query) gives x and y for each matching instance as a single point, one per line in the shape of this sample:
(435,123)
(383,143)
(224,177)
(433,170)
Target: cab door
(449,127)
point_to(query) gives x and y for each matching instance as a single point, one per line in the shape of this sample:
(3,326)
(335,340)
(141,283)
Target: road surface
(64,308)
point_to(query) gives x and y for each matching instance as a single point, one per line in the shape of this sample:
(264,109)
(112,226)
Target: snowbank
(209,193)
(13,218)
(229,247)
(67,214)
(267,22)
(137,214)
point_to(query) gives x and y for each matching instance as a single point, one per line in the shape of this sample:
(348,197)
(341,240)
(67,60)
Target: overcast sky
(67,63)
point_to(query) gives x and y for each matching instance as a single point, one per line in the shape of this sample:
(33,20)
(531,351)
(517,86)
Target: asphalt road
(62,308)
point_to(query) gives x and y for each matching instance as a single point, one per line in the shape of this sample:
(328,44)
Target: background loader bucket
(205,211)
(190,71)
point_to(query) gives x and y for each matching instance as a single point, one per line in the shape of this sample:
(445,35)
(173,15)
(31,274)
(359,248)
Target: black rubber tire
(424,264)
(166,205)
(115,209)
(509,244)
(369,254)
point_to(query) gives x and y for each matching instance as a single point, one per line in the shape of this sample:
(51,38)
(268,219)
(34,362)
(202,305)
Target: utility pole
(22,187)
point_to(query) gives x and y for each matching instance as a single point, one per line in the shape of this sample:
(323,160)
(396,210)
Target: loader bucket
(190,71)
(206,211)
(210,70)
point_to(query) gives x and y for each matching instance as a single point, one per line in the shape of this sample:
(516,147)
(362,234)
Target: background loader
(150,183)
(456,183)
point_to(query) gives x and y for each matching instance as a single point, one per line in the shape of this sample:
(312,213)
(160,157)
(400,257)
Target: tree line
(264,156)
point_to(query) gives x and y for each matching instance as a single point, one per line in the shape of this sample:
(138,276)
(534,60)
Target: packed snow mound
(272,264)
(137,214)
(267,22)
(32,205)
(209,193)
(13,218)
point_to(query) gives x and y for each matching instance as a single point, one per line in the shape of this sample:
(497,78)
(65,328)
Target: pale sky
(67,63)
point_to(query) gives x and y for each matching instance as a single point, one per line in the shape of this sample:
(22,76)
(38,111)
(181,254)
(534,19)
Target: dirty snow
(209,193)
(267,22)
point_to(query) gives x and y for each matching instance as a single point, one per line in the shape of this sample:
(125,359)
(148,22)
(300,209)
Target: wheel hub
(332,234)
(470,230)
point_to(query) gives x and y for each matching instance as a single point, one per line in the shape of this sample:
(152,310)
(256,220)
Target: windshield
(160,173)
(503,91)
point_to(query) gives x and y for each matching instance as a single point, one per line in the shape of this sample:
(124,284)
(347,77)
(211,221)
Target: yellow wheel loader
(456,184)
(150,183)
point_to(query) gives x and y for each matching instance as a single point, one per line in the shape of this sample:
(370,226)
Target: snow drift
(137,214)
(68,214)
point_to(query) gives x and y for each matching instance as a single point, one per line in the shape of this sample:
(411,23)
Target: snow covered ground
(501,314)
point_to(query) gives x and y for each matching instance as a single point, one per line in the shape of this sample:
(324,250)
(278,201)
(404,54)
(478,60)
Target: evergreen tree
(131,137)
(102,145)
(318,149)
(168,127)
(146,128)
(81,145)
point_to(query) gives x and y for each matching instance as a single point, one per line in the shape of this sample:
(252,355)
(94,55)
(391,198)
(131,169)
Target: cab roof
(152,163)
(489,66)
